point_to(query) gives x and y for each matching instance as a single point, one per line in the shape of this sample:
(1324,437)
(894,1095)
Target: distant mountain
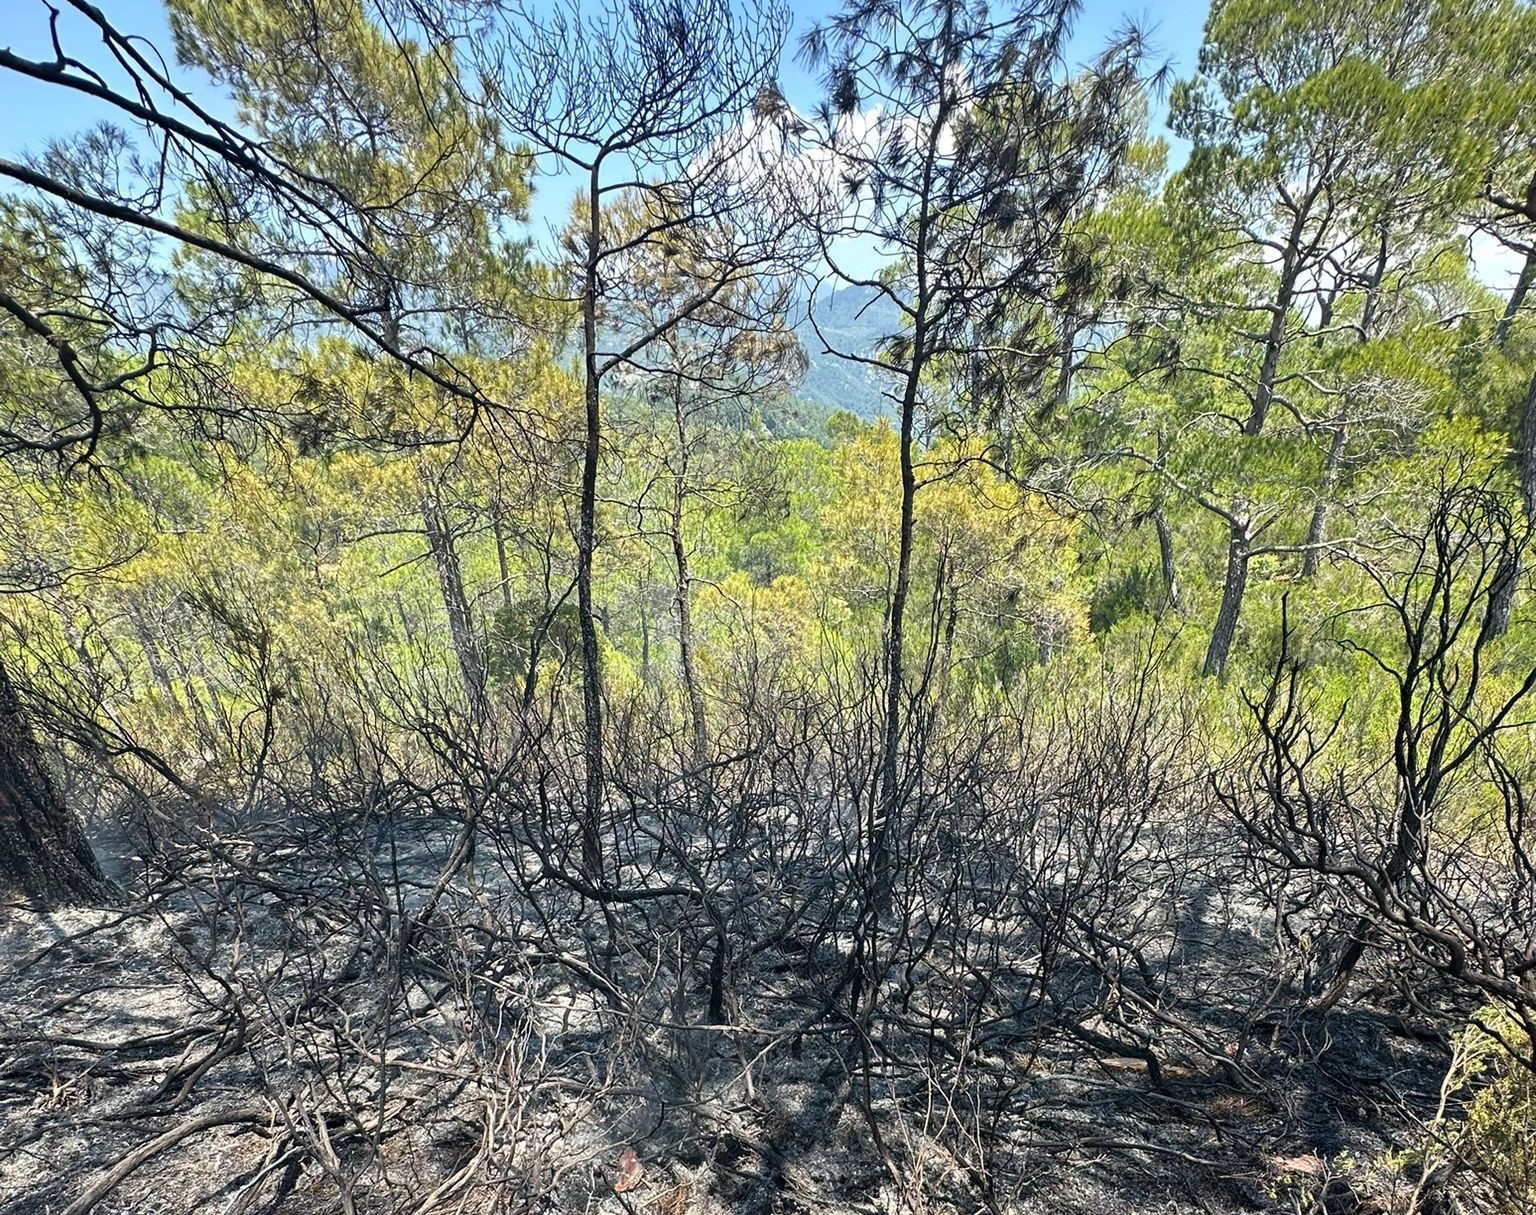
(853,321)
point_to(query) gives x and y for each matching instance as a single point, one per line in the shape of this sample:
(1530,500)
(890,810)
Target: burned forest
(701,608)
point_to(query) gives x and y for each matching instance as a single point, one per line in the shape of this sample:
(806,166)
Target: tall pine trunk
(888,800)
(1239,546)
(682,590)
(1274,337)
(1516,297)
(1317,531)
(1235,583)
(450,579)
(502,567)
(1502,606)
(1165,558)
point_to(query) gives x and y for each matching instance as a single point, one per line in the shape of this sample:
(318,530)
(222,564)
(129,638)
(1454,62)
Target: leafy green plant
(1484,1149)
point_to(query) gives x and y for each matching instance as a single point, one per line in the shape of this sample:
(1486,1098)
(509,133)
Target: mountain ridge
(853,321)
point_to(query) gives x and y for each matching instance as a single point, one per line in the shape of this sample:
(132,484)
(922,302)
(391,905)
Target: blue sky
(31,113)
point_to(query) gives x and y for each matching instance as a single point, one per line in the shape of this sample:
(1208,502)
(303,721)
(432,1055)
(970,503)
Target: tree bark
(682,590)
(1235,583)
(1239,544)
(1165,558)
(586,545)
(1066,350)
(450,578)
(44,854)
(1318,529)
(1274,338)
(501,559)
(1501,605)
(1516,298)
(889,796)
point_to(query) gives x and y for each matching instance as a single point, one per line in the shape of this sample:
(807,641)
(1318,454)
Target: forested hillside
(840,322)
(583,631)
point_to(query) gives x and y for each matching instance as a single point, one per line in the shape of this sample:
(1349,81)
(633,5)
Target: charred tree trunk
(695,693)
(44,855)
(586,546)
(889,796)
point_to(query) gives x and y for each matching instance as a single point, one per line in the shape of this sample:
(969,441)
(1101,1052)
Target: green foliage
(1131,592)
(526,630)
(1493,1056)
(1481,1141)
(295,515)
